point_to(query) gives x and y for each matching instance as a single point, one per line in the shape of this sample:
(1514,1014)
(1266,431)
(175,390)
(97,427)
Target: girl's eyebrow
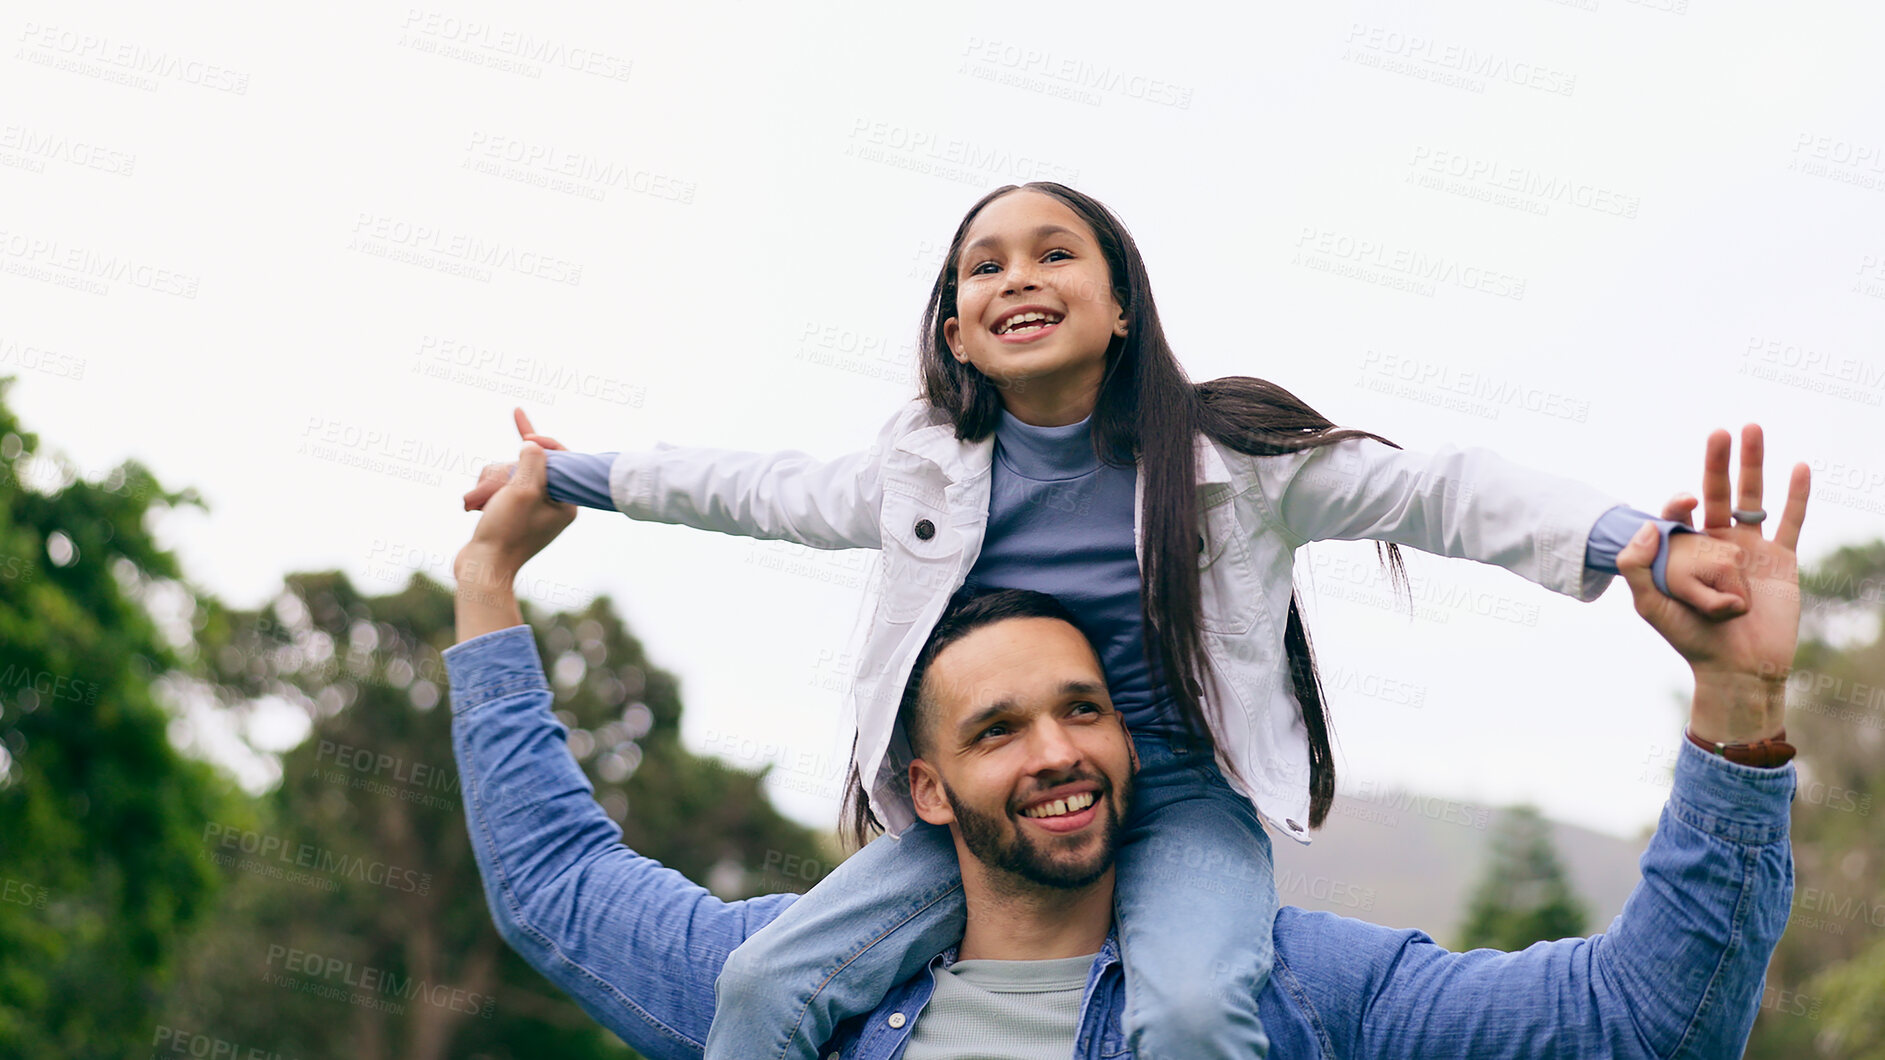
(1039,233)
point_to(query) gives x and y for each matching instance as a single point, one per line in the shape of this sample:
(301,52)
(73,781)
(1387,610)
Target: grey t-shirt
(1002,1010)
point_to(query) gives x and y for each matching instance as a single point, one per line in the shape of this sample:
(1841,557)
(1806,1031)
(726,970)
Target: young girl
(1058,446)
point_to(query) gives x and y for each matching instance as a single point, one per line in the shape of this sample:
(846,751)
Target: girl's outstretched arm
(788,495)
(1467,504)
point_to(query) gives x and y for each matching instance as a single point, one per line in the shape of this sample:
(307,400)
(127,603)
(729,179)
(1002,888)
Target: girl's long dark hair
(1148,412)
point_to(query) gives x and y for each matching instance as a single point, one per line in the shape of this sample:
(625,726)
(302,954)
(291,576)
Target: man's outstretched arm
(635,943)
(1680,972)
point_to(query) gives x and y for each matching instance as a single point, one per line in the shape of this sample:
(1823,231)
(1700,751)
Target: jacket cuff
(1737,803)
(492,666)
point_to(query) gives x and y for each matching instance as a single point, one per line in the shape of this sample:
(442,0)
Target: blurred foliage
(1524,895)
(101,821)
(1825,994)
(147,904)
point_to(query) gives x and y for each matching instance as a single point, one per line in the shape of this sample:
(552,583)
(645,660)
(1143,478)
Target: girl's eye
(1049,255)
(977,271)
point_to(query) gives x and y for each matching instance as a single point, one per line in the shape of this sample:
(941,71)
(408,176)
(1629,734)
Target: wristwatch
(1770,753)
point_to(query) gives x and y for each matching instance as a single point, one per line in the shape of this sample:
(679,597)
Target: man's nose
(1050,750)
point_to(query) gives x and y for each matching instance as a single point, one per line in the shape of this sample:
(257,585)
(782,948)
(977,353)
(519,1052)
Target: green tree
(1825,991)
(328,965)
(1523,897)
(101,857)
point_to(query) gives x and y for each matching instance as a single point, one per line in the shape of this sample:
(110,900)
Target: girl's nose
(1020,278)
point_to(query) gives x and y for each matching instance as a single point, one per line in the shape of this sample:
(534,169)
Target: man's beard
(1000,843)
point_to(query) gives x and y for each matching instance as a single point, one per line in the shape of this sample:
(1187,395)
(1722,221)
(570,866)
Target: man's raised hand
(1741,664)
(519,518)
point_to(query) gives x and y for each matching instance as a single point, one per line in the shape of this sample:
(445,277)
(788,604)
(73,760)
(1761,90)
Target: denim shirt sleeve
(1614,529)
(636,944)
(1678,975)
(579,478)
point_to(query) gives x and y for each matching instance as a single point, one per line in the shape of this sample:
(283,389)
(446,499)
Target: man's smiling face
(1023,753)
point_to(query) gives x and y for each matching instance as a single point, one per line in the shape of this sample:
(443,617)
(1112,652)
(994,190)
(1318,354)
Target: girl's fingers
(1680,509)
(1787,534)
(1748,491)
(544,440)
(524,429)
(1715,504)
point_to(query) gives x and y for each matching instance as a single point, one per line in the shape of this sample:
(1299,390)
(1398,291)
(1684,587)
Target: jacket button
(925,529)
(895,1020)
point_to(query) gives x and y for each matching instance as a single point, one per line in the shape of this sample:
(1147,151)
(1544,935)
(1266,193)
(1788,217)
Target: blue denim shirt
(1679,973)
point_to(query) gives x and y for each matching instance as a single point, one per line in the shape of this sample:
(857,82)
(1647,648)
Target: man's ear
(926,792)
(952,334)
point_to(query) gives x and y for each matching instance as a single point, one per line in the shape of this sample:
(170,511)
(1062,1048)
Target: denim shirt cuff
(1737,803)
(491,666)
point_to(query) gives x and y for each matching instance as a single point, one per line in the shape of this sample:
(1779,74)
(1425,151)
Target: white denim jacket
(921,496)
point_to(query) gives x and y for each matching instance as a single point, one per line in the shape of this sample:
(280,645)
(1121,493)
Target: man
(1021,756)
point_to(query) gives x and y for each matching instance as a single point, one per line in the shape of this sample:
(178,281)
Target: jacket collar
(961,460)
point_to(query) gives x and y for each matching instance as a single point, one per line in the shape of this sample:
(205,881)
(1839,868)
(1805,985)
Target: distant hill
(1411,861)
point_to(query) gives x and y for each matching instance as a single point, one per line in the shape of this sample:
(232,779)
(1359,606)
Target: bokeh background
(303,264)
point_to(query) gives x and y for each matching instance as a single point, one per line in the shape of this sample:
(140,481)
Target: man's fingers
(1748,489)
(1799,485)
(524,429)
(1715,491)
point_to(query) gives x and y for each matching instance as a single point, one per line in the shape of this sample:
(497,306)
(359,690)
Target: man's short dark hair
(965,615)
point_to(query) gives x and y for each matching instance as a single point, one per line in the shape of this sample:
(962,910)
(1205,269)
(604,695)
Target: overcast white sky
(258,251)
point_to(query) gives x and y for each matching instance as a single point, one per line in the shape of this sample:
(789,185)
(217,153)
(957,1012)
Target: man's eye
(1087,708)
(992,731)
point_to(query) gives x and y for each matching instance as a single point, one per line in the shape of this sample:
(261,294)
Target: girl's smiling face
(1035,310)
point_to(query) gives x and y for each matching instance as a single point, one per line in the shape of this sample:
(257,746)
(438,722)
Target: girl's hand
(493,476)
(1705,569)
